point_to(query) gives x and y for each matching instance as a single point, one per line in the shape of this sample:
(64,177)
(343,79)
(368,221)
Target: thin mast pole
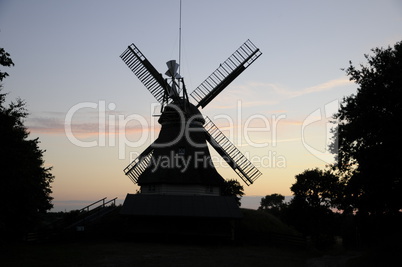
(180,38)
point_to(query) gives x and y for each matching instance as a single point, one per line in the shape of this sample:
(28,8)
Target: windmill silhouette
(179,163)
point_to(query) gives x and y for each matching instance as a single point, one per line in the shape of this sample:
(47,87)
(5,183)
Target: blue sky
(67,53)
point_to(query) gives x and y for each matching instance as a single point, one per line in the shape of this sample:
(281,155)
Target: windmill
(179,163)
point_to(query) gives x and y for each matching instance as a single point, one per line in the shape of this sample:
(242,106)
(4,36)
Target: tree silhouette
(317,188)
(6,61)
(369,150)
(273,203)
(25,182)
(233,188)
(315,192)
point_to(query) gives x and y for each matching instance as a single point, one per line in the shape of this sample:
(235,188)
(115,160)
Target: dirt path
(333,260)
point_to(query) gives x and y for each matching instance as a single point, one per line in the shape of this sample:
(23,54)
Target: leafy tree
(317,188)
(315,191)
(25,182)
(273,202)
(369,150)
(5,60)
(233,188)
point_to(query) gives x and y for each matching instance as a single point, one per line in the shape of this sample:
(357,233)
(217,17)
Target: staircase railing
(99,211)
(86,208)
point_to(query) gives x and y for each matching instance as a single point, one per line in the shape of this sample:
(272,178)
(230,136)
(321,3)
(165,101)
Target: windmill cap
(172,69)
(174,113)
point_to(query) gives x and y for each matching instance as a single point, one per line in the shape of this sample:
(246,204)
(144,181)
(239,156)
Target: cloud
(326,86)
(244,104)
(250,94)
(45,125)
(291,122)
(296,139)
(247,95)
(85,124)
(84,128)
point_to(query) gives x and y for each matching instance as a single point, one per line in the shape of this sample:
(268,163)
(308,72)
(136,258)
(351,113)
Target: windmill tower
(177,169)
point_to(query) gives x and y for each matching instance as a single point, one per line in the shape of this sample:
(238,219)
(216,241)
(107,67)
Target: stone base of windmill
(181,215)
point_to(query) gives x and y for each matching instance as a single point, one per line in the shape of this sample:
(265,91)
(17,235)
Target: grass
(264,222)
(149,254)
(254,249)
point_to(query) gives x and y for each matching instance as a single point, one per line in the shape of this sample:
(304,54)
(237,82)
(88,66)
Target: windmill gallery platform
(179,185)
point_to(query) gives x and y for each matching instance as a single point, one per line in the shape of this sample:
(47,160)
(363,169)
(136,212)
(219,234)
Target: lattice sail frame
(202,95)
(241,59)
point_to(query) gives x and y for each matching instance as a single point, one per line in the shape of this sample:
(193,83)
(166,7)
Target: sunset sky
(67,69)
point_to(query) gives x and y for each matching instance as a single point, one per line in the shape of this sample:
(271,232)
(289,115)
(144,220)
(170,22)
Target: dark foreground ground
(261,240)
(151,254)
(119,254)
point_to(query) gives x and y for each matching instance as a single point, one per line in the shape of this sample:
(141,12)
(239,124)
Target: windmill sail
(147,73)
(225,73)
(139,165)
(239,163)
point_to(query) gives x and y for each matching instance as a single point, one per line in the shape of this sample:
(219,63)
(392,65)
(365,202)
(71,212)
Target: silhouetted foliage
(315,192)
(272,203)
(233,188)
(317,222)
(6,61)
(369,151)
(25,183)
(317,188)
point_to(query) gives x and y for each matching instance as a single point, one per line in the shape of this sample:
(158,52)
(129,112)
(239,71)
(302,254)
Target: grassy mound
(263,227)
